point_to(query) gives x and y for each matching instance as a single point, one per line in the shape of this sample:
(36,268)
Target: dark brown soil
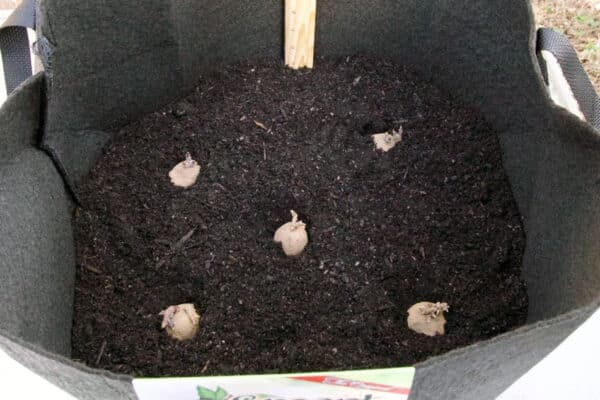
(432,220)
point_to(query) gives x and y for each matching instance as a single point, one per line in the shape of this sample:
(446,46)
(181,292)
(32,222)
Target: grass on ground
(579,20)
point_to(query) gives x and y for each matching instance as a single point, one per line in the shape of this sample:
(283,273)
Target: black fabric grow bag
(109,62)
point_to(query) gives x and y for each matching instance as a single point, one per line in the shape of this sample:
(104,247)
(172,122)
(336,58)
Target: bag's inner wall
(110,62)
(36,252)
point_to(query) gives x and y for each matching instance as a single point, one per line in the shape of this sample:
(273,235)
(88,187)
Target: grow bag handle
(14,45)
(581,88)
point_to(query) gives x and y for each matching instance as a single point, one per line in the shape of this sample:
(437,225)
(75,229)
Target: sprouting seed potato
(181,321)
(427,318)
(185,173)
(292,236)
(386,141)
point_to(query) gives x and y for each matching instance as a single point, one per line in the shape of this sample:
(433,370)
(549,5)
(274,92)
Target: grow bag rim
(69,362)
(515,333)
(589,309)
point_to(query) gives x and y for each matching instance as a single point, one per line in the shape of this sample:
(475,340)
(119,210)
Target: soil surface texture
(433,219)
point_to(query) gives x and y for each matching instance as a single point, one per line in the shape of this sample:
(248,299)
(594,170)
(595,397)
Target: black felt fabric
(212,33)
(89,144)
(110,62)
(562,253)
(114,60)
(36,250)
(20,116)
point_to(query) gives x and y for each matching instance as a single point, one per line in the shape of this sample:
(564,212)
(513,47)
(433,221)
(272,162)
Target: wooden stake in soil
(101,352)
(300,22)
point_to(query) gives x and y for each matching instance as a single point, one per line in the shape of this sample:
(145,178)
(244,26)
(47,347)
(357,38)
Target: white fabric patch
(558,87)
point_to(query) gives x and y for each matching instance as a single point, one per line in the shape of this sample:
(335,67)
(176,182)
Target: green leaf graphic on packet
(207,394)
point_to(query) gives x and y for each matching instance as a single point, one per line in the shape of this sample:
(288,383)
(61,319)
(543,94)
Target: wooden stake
(300,22)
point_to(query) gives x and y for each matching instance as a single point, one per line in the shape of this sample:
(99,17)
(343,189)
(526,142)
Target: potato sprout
(181,321)
(386,141)
(427,318)
(292,236)
(185,173)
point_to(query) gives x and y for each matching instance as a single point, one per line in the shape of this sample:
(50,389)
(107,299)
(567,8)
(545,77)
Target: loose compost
(432,219)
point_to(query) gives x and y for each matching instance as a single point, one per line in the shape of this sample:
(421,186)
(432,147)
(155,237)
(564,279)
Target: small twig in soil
(176,247)
(236,260)
(264,152)
(223,188)
(405,174)
(391,276)
(101,352)
(260,125)
(205,368)
(309,190)
(193,246)
(226,191)
(213,207)
(184,239)
(92,269)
